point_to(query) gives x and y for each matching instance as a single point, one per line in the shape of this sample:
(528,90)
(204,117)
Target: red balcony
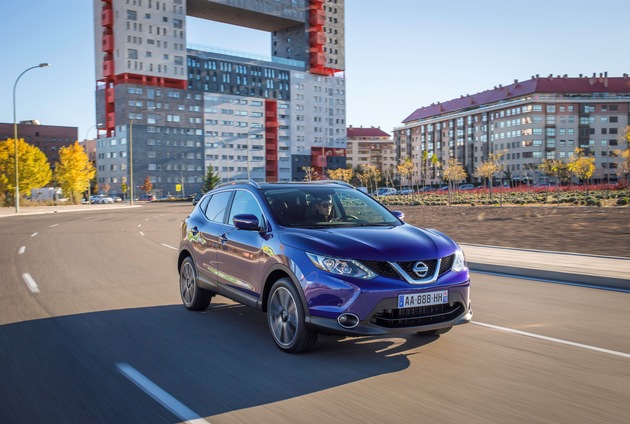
(318,59)
(108,68)
(107,17)
(108,43)
(109,95)
(316,37)
(317,18)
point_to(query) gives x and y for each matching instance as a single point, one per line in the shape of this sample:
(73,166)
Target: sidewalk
(604,271)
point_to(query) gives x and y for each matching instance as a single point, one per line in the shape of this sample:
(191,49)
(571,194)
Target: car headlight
(347,267)
(459,261)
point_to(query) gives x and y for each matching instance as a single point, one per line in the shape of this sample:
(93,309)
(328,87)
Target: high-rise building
(173,109)
(527,122)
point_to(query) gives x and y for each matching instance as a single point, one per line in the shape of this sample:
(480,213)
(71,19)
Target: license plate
(422,299)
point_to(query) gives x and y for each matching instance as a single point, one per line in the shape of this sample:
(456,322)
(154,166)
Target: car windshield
(315,207)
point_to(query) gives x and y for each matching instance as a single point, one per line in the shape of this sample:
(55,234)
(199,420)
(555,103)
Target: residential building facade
(172,109)
(47,138)
(527,122)
(370,146)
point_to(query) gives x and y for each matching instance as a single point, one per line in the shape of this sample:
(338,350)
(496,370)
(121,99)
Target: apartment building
(370,146)
(172,109)
(541,118)
(47,138)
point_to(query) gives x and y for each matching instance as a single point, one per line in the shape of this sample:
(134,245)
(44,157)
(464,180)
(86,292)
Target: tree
(147,186)
(211,180)
(33,168)
(623,167)
(454,172)
(74,171)
(123,187)
(582,166)
(311,175)
(372,175)
(340,174)
(489,167)
(407,169)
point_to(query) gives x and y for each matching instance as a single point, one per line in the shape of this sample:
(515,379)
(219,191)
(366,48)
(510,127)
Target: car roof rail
(343,183)
(231,183)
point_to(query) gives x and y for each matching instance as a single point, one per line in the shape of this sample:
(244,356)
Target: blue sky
(400,54)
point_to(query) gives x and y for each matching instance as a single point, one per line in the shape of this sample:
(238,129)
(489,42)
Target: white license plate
(422,299)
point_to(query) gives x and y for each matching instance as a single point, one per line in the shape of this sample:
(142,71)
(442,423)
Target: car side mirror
(247,222)
(399,214)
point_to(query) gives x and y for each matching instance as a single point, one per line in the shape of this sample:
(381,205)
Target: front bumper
(386,318)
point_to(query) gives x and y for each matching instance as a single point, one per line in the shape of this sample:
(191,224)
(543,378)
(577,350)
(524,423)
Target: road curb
(565,277)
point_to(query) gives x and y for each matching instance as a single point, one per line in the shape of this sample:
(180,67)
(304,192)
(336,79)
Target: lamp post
(17,182)
(131,152)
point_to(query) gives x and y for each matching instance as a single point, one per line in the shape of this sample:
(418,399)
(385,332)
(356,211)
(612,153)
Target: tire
(435,332)
(194,297)
(285,316)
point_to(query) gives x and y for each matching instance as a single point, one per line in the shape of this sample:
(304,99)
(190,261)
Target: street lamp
(131,152)
(17,183)
(248,148)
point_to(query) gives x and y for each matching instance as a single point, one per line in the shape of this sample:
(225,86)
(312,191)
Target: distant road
(92,330)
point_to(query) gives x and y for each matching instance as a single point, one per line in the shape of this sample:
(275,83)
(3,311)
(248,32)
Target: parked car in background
(320,257)
(404,191)
(147,198)
(102,199)
(197,198)
(467,187)
(384,191)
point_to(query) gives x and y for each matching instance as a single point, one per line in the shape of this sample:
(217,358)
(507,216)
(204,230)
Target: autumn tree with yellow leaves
(33,168)
(74,171)
(340,174)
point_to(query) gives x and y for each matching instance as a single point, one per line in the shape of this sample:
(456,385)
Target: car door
(239,254)
(207,230)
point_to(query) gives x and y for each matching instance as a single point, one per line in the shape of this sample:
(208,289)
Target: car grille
(412,317)
(385,269)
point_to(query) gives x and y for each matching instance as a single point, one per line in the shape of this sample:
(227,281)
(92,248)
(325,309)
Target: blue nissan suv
(320,257)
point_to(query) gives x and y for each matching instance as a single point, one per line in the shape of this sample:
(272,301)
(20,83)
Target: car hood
(396,243)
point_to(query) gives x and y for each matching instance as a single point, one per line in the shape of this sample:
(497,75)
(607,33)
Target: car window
(204,204)
(244,202)
(217,206)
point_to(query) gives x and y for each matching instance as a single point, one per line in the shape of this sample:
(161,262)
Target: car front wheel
(285,316)
(194,297)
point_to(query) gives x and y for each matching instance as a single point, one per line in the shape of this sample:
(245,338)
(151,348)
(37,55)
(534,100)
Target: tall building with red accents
(167,109)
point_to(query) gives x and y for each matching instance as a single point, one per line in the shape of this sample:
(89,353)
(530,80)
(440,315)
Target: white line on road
(34,234)
(54,225)
(169,402)
(139,225)
(22,249)
(32,285)
(170,247)
(141,233)
(551,339)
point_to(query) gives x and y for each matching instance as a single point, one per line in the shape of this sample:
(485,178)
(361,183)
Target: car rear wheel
(194,297)
(435,332)
(285,316)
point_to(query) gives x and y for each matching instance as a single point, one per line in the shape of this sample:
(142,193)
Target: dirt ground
(579,229)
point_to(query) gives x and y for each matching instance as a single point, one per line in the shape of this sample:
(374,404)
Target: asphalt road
(92,330)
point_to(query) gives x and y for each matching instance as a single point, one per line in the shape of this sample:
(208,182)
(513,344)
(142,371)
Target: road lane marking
(167,246)
(32,285)
(157,393)
(554,340)
(54,225)
(22,249)
(34,234)
(141,233)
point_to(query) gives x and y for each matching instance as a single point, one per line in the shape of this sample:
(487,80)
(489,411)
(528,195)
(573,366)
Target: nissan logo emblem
(420,269)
